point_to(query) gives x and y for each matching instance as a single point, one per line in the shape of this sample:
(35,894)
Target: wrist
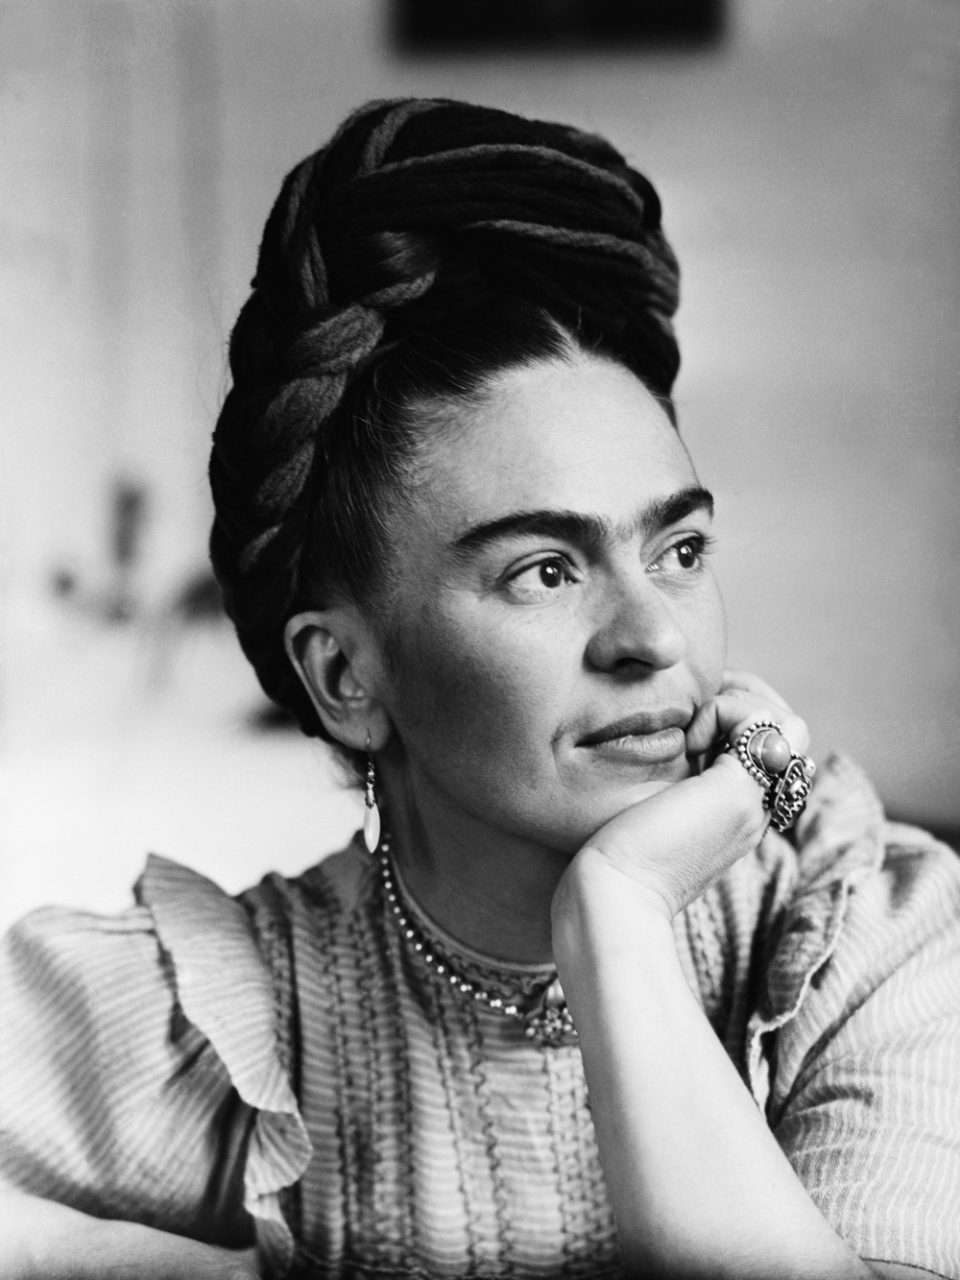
(598,914)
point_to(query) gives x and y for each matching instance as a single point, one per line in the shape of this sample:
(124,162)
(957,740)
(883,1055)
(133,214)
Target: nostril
(640,633)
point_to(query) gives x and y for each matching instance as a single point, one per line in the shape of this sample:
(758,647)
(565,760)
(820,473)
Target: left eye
(687,554)
(551,573)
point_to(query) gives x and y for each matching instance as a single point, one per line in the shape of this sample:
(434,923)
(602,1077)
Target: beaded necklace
(546,1020)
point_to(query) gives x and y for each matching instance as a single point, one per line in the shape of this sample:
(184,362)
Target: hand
(664,851)
(746,696)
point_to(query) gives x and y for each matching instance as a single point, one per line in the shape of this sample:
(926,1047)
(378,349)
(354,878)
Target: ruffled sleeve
(140,1078)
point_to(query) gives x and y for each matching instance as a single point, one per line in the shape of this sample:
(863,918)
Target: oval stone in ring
(772,753)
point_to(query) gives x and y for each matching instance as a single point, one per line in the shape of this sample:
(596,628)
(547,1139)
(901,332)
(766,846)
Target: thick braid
(416,212)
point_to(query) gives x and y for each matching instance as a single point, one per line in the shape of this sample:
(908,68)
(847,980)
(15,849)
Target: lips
(639,725)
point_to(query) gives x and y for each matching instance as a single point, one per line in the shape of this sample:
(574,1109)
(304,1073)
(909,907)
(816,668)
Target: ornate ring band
(783,775)
(787,798)
(763,751)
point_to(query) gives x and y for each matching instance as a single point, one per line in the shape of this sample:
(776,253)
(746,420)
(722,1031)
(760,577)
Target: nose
(637,627)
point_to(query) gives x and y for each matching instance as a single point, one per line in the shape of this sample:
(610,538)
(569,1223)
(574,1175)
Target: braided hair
(428,246)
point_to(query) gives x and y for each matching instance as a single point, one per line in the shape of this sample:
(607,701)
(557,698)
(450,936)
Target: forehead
(581,434)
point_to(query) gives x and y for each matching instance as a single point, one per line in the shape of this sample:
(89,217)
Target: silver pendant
(549,1021)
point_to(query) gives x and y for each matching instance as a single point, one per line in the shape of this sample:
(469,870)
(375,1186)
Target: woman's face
(553,625)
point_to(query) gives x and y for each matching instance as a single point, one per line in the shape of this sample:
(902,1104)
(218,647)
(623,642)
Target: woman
(578,1008)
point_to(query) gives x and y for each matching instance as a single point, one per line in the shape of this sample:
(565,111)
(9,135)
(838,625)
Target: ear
(332,653)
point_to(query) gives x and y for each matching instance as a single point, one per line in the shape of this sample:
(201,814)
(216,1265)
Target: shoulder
(335,890)
(854,1050)
(868,896)
(807,926)
(103,1069)
(845,836)
(206,945)
(65,978)
(58,963)
(128,1032)
(186,949)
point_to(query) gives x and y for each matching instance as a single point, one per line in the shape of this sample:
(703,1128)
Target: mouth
(640,725)
(647,737)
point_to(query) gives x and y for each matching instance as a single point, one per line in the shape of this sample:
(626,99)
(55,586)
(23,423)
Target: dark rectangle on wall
(479,25)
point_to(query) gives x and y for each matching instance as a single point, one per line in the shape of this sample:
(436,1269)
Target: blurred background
(806,154)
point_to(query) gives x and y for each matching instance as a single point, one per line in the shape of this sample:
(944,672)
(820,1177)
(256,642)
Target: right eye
(541,579)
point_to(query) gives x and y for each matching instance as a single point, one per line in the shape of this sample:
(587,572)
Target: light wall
(809,173)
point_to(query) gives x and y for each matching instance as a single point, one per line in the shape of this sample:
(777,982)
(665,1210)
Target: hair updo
(428,246)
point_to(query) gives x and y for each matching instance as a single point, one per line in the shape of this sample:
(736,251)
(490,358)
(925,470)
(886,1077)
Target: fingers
(735,679)
(723,718)
(769,760)
(742,698)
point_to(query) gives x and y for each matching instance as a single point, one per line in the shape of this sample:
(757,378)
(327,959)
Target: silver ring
(784,776)
(750,745)
(787,798)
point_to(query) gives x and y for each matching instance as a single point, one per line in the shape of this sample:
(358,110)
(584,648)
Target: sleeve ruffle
(226,992)
(141,1077)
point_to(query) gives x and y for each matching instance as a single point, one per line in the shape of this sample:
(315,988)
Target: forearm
(697,1182)
(43,1240)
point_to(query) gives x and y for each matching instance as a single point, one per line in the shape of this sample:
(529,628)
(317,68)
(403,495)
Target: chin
(596,809)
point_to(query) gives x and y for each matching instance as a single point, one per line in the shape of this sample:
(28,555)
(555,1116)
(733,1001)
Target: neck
(488,889)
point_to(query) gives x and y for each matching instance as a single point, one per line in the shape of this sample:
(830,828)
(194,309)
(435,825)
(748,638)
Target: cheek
(707,635)
(467,694)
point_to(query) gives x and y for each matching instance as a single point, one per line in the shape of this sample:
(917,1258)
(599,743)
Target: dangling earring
(371,812)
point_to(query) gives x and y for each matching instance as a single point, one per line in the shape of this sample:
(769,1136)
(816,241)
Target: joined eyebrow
(585,529)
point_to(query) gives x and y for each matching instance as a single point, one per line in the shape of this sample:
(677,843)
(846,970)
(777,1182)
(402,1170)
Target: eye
(541,579)
(686,555)
(551,574)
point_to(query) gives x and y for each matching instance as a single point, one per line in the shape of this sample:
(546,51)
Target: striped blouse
(282,1065)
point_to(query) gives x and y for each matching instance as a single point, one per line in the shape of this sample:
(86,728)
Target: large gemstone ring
(783,774)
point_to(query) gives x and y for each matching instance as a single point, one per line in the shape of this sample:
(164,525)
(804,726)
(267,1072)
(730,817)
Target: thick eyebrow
(584,529)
